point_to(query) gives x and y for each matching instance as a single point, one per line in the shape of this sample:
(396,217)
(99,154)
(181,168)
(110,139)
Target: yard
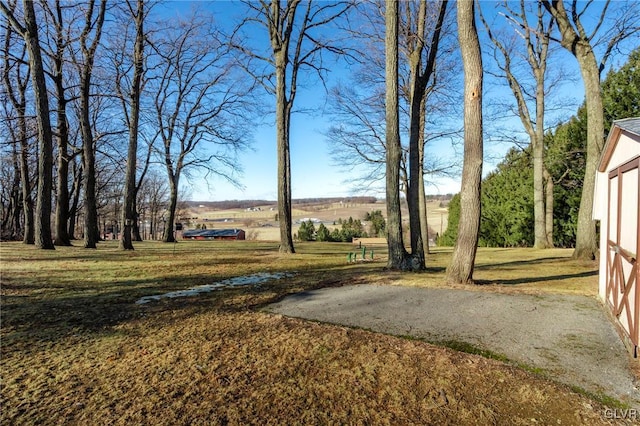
(77,349)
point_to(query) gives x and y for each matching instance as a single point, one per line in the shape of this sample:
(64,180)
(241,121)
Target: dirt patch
(568,338)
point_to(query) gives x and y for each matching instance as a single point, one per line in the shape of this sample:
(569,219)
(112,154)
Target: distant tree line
(507,193)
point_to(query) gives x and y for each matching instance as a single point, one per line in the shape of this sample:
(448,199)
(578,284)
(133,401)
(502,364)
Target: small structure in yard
(616,205)
(213,234)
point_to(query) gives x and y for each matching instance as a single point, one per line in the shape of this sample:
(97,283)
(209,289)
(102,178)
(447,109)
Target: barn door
(623,274)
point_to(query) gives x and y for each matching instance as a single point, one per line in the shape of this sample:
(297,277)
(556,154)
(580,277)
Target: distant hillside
(246,204)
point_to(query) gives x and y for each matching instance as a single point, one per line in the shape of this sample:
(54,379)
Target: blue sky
(313,171)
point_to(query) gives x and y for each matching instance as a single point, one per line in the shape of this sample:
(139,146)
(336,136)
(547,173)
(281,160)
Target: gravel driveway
(570,337)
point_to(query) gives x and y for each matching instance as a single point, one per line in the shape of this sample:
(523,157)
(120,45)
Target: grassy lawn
(77,349)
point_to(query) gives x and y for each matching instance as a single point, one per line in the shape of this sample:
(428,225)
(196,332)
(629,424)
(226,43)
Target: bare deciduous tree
(29,31)
(536,42)
(57,53)
(297,43)
(131,109)
(89,42)
(200,105)
(421,74)
(16,76)
(357,139)
(574,37)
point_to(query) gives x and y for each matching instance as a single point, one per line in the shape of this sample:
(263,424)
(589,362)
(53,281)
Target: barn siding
(616,205)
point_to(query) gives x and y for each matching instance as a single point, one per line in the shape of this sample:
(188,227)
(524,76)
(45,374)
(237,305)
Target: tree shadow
(516,263)
(530,280)
(30,318)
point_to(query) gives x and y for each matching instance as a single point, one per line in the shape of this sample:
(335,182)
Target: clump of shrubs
(347,231)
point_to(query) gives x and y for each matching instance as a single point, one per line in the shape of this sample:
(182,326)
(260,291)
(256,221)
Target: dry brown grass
(76,349)
(512,270)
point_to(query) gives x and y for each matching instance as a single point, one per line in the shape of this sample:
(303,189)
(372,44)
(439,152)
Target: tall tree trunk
(43,238)
(91,229)
(62,200)
(460,270)
(129,219)
(416,174)
(419,80)
(283,115)
(580,46)
(586,237)
(62,195)
(416,105)
(397,252)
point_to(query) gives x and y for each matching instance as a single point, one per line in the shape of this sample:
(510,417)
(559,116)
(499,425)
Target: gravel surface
(570,337)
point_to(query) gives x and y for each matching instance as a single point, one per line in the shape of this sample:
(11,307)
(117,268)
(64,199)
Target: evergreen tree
(323,233)
(378,223)
(507,201)
(621,91)
(307,231)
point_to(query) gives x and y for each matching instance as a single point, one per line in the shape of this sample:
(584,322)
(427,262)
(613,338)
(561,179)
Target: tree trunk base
(286,250)
(409,263)
(584,254)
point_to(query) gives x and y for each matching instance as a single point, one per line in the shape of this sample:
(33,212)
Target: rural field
(261,224)
(78,349)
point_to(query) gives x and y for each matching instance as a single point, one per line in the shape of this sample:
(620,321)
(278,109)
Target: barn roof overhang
(629,127)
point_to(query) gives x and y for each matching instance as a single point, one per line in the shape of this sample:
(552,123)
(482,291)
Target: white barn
(616,205)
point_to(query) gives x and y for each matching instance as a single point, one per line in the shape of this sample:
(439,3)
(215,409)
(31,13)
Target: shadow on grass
(518,263)
(89,310)
(531,280)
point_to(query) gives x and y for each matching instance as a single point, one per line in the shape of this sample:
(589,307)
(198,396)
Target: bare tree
(60,39)
(29,31)
(536,41)
(16,76)
(131,108)
(89,41)
(200,106)
(10,208)
(357,139)
(460,269)
(153,200)
(574,37)
(421,71)
(297,43)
